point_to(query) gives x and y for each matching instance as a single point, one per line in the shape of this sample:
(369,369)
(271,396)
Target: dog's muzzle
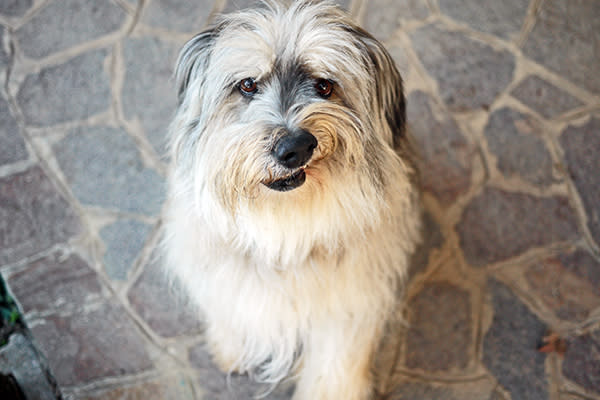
(293,151)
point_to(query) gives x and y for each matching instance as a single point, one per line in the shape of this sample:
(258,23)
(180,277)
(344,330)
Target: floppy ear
(389,89)
(193,60)
(389,92)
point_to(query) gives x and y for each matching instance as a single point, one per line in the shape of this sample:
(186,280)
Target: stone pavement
(504,101)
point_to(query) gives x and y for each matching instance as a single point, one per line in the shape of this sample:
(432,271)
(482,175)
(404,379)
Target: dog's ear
(389,91)
(193,60)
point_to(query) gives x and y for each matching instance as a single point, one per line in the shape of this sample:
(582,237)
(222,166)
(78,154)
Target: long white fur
(288,282)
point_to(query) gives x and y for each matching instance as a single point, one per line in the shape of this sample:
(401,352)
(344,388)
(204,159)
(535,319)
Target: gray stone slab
(570,396)
(412,390)
(4,57)
(498,395)
(159,300)
(470,73)
(439,331)
(235,5)
(565,39)
(94,343)
(516,141)
(510,346)
(432,238)
(124,240)
(215,385)
(178,15)
(133,3)
(20,359)
(12,145)
(502,18)
(74,90)
(103,168)
(567,283)
(33,215)
(421,391)
(582,361)
(149,93)
(445,155)
(55,282)
(384,17)
(86,20)
(173,387)
(581,145)
(498,225)
(543,97)
(15,8)
(399,55)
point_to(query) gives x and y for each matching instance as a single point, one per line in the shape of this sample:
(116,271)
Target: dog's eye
(248,87)
(324,88)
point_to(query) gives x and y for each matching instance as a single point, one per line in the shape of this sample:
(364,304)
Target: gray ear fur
(389,89)
(193,59)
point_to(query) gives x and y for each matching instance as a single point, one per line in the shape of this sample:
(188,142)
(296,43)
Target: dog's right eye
(324,88)
(248,87)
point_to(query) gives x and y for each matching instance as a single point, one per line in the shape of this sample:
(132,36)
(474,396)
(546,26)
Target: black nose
(295,149)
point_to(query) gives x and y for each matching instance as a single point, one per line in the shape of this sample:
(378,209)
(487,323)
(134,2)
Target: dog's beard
(232,186)
(253,174)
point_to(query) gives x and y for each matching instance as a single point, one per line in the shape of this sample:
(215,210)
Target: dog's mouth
(289,182)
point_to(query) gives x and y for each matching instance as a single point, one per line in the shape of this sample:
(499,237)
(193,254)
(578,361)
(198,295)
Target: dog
(292,206)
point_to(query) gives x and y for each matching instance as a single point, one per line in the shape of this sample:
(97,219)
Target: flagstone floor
(504,102)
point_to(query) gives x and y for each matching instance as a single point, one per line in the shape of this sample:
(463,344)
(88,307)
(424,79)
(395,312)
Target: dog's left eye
(248,87)
(324,88)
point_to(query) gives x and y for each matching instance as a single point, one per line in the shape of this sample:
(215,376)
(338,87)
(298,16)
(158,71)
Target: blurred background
(504,294)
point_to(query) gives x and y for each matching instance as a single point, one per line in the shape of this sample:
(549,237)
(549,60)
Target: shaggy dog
(292,211)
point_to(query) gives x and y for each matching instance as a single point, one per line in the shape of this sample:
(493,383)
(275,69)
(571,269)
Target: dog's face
(296,100)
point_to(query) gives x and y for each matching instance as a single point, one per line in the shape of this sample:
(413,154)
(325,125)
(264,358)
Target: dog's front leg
(336,362)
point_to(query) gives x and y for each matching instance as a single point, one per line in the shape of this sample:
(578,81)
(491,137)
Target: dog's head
(293,99)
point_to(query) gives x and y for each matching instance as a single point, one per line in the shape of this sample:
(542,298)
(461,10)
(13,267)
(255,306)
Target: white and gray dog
(292,211)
